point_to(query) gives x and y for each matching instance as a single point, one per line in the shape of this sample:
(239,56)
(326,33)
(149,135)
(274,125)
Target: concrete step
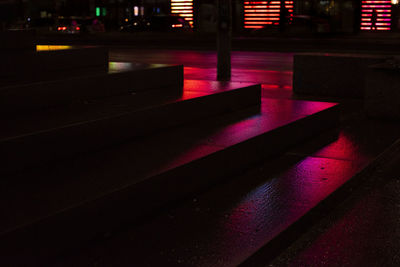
(246,222)
(121,78)
(65,205)
(48,136)
(18,41)
(18,67)
(254,217)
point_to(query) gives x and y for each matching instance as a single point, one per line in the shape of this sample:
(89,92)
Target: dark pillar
(224,36)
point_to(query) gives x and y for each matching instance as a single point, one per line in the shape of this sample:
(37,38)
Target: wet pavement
(364,230)
(228,223)
(206,59)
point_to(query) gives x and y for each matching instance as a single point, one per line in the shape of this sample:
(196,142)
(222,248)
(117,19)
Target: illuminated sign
(183,8)
(376,15)
(259,14)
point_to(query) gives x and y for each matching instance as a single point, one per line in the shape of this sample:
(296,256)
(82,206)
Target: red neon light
(372,12)
(376,6)
(252,19)
(183,8)
(253,27)
(259,14)
(376,2)
(263,15)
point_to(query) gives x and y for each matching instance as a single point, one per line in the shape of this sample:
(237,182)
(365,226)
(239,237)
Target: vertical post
(92,8)
(224,36)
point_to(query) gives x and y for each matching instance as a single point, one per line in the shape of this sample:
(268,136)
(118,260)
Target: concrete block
(42,95)
(18,40)
(337,75)
(382,94)
(17,67)
(27,150)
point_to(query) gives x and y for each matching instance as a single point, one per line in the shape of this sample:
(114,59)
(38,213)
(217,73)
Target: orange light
(259,14)
(375,14)
(183,8)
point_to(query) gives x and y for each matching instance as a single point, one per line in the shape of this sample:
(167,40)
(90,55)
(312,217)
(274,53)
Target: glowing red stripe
(375,6)
(266,15)
(377,10)
(256,2)
(262,15)
(261,10)
(260,22)
(254,27)
(250,19)
(269,6)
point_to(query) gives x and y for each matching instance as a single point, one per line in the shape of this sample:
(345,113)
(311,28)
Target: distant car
(168,23)
(77,25)
(69,25)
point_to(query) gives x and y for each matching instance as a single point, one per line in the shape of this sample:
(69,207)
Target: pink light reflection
(349,233)
(269,208)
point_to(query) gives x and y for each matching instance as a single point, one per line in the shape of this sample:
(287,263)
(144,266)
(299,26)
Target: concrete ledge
(18,40)
(382,96)
(31,97)
(82,223)
(96,133)
(17,67)
(338,75)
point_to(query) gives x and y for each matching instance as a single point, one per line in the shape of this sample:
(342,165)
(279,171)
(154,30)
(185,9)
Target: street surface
(184,235)
(272,69)
(206,59)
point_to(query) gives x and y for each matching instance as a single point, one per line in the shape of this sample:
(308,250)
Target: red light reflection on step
(346,147)
(268,209)
(356,236)
(269,77)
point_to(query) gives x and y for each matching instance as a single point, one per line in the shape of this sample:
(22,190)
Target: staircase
(83,157)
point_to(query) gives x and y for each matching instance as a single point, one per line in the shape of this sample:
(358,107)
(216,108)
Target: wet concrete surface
(206,59)
(362,231)
(227,224)
(94,109)
(138,160)
(224,226)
